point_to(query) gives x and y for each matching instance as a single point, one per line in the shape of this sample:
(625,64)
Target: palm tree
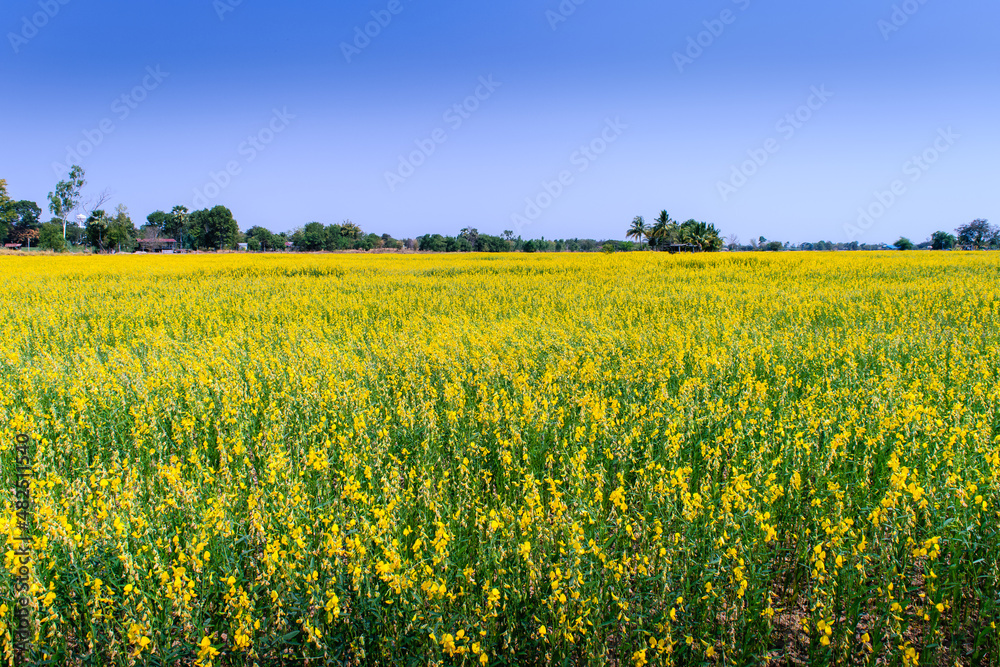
(638,229)
(665,229)
(701,235)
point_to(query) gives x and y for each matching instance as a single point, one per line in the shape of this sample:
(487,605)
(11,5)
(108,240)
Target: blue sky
(590,113)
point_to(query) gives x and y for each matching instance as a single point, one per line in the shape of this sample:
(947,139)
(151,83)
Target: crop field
(621,459)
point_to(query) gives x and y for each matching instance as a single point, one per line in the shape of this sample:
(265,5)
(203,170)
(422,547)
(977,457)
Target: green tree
(156,223)
(638,229)
(176,225)
(214,228)
(942,241)
(97,229)
(50,237)
(66,197)
(121,232)
(260,236)
(979,234)
(26,214)
(470,234)
(350,230)
(195,231)
(75,234)
(7,214)
(431,243)
(333,239)
(314,236)
(904,243)
(18,219)
(702,235)
(665,231)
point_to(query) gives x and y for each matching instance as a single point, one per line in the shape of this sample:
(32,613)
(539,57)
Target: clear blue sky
(666,120)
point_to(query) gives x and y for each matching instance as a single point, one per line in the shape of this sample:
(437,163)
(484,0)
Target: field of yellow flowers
(622,459)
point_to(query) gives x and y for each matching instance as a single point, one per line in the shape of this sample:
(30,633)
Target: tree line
(215,228)
(113,230)
(976,235)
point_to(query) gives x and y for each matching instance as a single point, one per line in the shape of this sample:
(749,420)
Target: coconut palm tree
(664,230)
(638,229)
(702,235)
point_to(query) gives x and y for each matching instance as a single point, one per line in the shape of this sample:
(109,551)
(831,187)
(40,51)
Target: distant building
(242,246)
(12,246)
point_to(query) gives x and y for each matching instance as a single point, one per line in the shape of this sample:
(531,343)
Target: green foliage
(214,228)
(176,226)
(904,243)
(7,214)
(703,236)
(50,237)
(17,219)
(158,220)
(942,241)
(350,230)
(66,197)
(75,234)
(638,229)
(115,232)
(666,232)
(314,236)
(259,238)
(431,243)
(979,234)
(26,214)
(121,233)
(97,229)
